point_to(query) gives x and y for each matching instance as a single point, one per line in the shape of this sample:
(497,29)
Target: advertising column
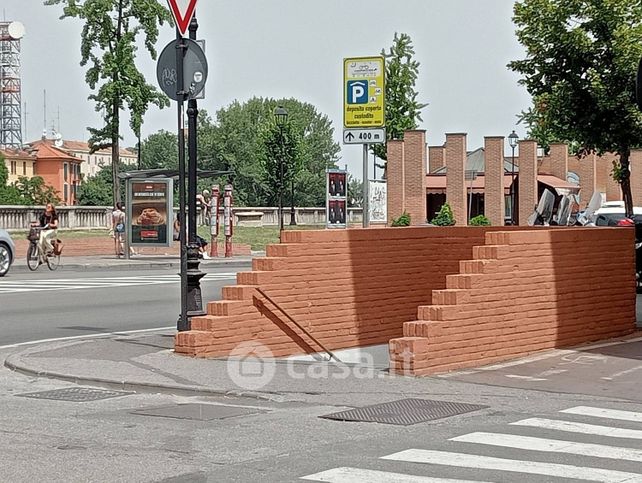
(149,211)
(337,199)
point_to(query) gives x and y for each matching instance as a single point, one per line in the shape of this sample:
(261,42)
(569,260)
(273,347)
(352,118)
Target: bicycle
(33,251)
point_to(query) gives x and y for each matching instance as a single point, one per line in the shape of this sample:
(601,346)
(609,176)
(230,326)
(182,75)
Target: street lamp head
(281,115)
(512,139)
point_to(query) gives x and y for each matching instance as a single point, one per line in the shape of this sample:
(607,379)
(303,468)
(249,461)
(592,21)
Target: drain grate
(405,412)
(197,412)
(75,394)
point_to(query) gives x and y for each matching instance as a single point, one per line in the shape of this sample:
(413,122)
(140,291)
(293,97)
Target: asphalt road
(46,305)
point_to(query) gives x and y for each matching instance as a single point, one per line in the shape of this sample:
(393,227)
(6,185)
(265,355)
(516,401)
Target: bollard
(228,219)
(214,220)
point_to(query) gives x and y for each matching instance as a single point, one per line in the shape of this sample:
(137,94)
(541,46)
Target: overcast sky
(294,48)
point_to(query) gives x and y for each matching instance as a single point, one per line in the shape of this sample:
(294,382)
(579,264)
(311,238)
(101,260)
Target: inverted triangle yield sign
(183,11)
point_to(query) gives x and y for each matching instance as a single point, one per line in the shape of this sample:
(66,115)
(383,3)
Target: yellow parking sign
(364,92)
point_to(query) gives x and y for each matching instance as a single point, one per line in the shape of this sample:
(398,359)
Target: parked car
(7,252)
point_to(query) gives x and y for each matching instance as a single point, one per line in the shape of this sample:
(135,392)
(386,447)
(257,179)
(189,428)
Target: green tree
(355,192)
(233,142)
(403,110)
(35,191)
(160,151)
(8,193)
(580,65)
(96,190)
(108,45)
(280,147)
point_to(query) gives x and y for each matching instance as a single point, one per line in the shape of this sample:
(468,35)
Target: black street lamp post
(292,212)
(281,116)
(513,138)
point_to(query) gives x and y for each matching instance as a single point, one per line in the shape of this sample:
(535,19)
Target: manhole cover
(405,412)
(75,394)
(198,412)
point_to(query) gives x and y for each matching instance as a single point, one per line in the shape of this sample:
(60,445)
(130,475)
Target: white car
(7,252)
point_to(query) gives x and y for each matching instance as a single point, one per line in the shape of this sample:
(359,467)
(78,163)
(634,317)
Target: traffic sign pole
(366,191)
(183,322)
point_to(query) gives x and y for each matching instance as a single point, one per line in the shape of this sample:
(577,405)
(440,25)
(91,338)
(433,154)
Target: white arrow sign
(183,11)
(364,136)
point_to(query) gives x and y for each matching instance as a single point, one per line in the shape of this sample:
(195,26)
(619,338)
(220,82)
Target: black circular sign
(194,70)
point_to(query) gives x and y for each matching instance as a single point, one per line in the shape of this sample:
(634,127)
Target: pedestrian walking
(118,230)
(200,241)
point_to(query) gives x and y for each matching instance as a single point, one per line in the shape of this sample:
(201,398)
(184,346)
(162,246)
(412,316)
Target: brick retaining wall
(524,292)
(347,288)
(496,294)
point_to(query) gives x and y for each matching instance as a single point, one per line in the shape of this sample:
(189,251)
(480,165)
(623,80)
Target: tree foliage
(580,67)
(34,191)
(108,46)
(96,190)
(233,141)
(403,110)
(445,217)
(160,151)
(281,158)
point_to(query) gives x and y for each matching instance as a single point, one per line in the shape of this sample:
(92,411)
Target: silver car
(7,252)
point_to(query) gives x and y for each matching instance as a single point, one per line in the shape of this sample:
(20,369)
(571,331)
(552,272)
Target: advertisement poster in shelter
(149,211)
(336,198)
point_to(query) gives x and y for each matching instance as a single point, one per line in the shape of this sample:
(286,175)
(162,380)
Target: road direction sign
(183,11)
(194,70)
(364,136)
(364,92)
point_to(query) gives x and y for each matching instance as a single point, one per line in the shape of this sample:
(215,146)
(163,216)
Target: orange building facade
(58,169)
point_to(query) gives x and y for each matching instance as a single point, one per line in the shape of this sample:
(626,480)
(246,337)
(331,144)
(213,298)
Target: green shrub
(479,220)
(445,216)
(403,220)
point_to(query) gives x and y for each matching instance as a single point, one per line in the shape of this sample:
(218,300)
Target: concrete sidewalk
(144,362)
(111,262)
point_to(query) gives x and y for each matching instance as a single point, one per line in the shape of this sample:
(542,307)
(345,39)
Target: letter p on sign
(357,92)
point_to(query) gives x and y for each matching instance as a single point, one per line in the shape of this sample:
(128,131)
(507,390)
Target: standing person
(118,229)
(49,225)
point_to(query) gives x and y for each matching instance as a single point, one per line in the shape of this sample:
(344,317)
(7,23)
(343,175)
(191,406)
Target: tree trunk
(115,131)
(625,181)
(115,154)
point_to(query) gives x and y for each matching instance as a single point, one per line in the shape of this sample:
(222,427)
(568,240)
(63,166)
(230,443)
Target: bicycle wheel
(32,257)
(53,262)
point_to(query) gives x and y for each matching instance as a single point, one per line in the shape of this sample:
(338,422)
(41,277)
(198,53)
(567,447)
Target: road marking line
(445,458)
(531,443)
(605,413)
(583,428)
(552,372)
(525,378)
(358,475)
(88,336)
(622,373)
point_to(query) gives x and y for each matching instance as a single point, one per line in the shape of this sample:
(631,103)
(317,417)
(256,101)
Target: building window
(66,169)
(66,192)
(24,168)
(13,167)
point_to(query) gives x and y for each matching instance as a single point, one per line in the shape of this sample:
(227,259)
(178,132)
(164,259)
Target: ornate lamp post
(281,116)
(513,138)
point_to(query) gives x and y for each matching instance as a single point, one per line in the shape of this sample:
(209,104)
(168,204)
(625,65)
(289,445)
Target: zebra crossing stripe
(531,443)
(445,458)
(605,413)
(358,475)
(583,428)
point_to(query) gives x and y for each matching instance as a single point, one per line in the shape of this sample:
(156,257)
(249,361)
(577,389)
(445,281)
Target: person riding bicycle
(49,225)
